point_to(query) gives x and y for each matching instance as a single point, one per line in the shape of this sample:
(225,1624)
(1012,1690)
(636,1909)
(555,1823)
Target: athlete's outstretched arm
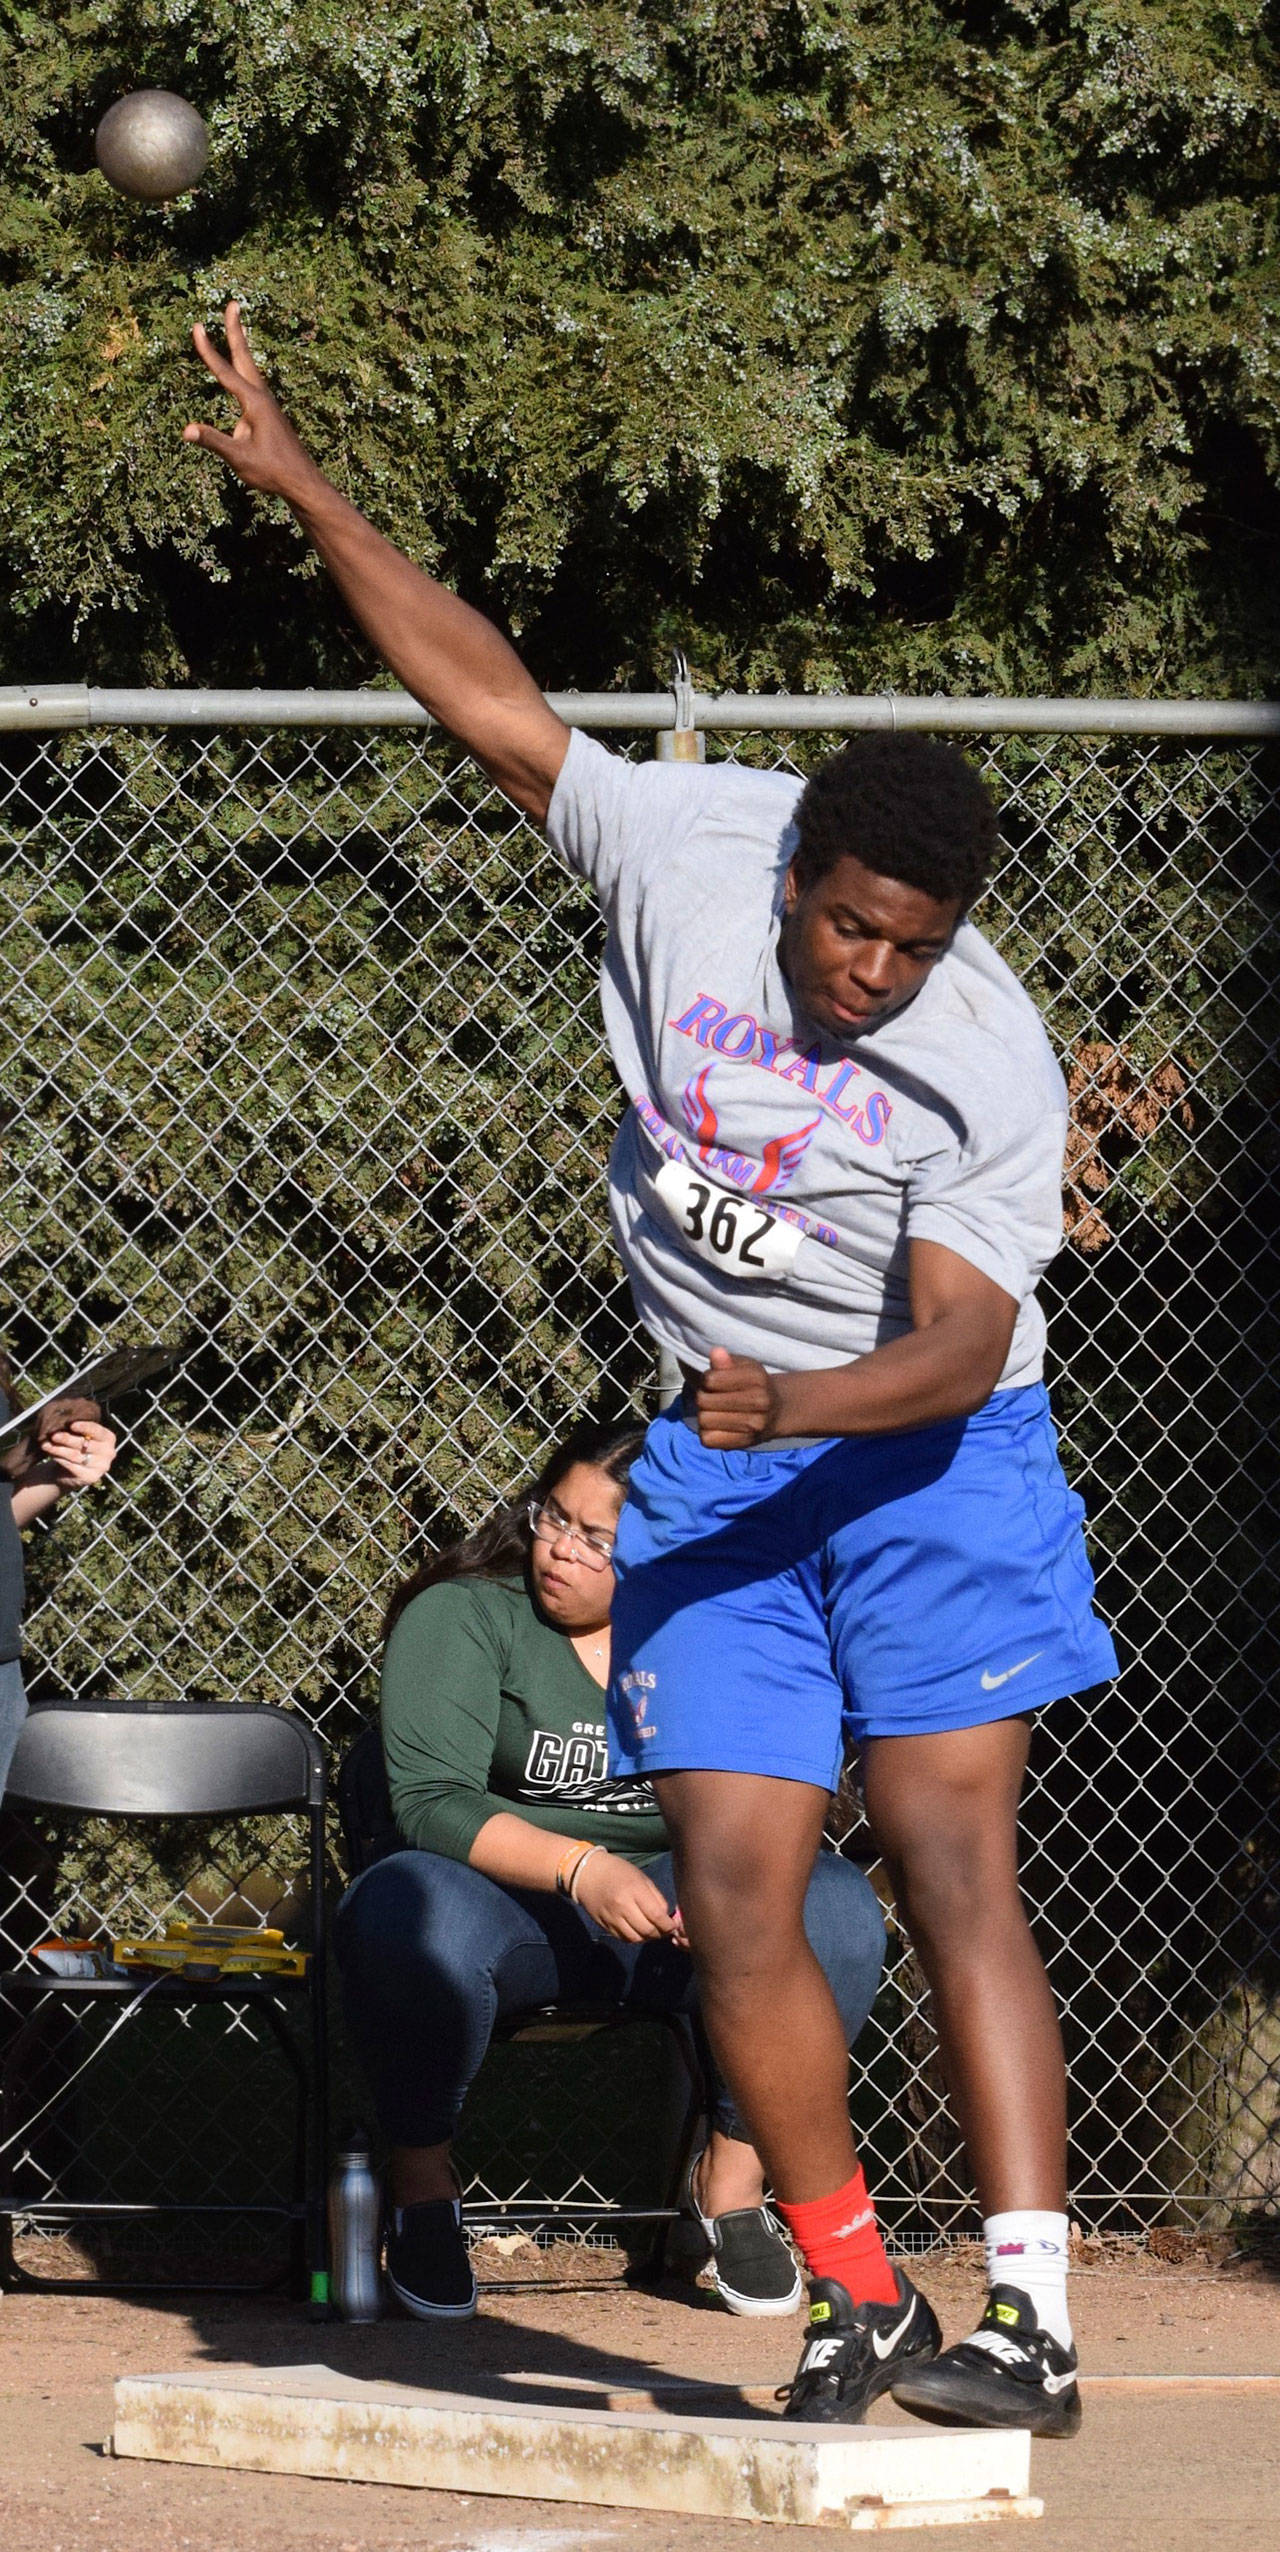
(449,656)
(944,1366)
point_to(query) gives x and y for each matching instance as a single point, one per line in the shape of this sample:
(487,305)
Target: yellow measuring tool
(206,1950)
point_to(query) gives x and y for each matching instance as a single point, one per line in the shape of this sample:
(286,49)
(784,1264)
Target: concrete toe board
(309,2420)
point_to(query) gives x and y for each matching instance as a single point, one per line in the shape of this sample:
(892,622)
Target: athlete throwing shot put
(834,1189)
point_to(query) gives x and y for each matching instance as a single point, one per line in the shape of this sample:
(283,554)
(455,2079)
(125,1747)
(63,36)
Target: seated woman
(532,1878)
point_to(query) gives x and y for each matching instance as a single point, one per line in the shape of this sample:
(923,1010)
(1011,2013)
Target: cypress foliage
(849,345)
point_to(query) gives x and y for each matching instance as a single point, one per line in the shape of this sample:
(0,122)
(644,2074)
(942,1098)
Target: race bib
(733,1233)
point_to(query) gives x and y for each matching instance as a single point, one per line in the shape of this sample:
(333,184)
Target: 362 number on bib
(731,1232)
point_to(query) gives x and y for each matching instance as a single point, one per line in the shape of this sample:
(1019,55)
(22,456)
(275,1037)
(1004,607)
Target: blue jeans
(432,1954)
(13,1710)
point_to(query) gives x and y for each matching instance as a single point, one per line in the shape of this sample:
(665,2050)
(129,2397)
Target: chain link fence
(303,1069)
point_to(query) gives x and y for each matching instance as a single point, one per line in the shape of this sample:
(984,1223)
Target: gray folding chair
(150,1760)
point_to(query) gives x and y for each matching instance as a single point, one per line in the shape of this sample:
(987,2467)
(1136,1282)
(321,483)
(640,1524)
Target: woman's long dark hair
(500,1546)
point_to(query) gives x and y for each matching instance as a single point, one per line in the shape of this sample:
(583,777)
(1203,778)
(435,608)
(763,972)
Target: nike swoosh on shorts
(992,1683)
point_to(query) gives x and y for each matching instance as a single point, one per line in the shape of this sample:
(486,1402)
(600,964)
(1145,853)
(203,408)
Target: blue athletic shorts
(774,1607)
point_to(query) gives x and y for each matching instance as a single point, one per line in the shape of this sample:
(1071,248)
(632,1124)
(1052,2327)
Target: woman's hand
(623,1899)
(74,1453)
(262,447)
(79,1454)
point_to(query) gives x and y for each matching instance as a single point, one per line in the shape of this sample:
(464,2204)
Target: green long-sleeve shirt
(486,1709)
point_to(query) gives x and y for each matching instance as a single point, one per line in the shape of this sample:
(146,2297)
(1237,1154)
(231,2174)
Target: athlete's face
(856,946)
(570,1546)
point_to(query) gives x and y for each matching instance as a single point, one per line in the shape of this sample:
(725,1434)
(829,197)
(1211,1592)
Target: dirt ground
(1180,2450)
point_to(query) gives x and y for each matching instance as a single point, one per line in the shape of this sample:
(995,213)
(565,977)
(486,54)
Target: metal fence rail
(303,1062)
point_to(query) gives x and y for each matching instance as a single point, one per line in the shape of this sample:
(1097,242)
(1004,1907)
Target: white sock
(1027,2248)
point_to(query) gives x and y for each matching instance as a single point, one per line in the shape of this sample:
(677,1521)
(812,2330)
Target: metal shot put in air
(836,1184)
(152,145)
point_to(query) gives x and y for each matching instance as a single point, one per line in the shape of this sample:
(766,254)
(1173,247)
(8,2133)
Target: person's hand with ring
(80,1454)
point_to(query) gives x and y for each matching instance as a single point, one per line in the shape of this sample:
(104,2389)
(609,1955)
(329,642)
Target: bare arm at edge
(450,657)
(944,1366)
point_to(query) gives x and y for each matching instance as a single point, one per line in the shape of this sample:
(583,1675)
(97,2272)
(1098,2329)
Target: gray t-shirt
(766,1180)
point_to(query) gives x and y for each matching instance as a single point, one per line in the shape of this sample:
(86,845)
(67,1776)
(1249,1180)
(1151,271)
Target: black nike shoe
(854,2352)
(428,2265)
(1010,2374)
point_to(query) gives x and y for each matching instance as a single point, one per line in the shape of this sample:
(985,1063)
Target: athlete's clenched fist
(738,1402)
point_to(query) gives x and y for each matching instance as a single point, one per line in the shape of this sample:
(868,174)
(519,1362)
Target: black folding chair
(369,1833)
(123,1759)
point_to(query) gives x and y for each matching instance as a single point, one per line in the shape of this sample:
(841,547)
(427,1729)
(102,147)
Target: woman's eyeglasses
(547,1524)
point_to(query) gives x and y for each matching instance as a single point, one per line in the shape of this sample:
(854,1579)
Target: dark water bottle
(355,2209)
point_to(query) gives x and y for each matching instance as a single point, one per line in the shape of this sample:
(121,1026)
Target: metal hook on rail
(680,742)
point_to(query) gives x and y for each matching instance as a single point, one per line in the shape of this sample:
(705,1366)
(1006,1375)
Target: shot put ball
(152,145)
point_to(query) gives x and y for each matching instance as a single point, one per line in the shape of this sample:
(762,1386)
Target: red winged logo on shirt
(781,1156)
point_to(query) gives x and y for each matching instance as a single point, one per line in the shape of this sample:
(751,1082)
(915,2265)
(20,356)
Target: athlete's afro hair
(907,808)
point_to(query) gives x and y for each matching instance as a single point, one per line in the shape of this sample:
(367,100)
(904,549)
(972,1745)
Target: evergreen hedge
(847,345)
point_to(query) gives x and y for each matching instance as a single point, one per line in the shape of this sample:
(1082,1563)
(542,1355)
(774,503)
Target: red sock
(838,2237)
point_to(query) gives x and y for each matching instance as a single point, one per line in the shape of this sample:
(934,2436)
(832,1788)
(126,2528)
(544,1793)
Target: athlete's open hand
(738,1403)
(262,447)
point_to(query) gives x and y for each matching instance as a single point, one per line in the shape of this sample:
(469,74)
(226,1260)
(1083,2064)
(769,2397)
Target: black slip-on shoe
(855,2352)
(428,2266)
(751,2262)
(1010,2374)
